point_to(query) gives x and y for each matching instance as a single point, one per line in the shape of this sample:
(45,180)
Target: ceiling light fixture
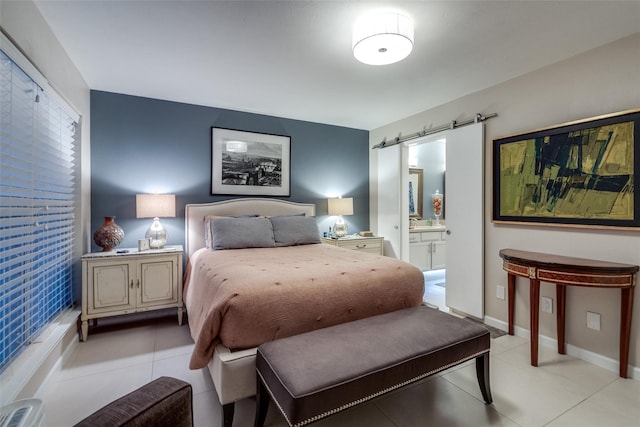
(382,38)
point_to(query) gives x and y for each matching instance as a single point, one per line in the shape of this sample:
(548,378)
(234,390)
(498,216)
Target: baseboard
(572,350)
(25,376)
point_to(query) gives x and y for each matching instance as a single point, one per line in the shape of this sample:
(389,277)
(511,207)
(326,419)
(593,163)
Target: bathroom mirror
(416,176)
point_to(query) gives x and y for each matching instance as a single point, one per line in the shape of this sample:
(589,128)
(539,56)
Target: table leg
(534,304)
(84,330)
(625,328)
(561,297)
(511,297)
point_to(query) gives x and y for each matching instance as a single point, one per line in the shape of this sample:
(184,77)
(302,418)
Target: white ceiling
(293,58)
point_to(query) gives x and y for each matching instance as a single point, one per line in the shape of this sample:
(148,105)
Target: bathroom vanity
(428,246)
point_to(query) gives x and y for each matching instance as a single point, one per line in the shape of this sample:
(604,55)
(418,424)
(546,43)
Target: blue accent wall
(142,145)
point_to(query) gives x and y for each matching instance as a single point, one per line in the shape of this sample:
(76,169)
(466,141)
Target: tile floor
(562,391)
(434,289)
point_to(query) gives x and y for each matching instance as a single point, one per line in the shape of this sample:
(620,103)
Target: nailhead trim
(364,399)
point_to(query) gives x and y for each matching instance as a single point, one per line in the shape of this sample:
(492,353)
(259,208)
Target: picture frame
(416,179)
(576,174)
(249,163)
(144,245)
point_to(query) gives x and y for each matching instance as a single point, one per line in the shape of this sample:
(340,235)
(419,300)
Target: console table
(566,271)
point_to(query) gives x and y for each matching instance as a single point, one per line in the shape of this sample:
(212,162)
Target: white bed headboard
(195,213)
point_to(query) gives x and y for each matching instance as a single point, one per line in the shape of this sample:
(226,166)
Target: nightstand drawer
(372,245)
(369,245)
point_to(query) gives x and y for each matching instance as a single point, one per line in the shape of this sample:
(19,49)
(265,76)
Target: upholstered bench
(164,402)
(319,373)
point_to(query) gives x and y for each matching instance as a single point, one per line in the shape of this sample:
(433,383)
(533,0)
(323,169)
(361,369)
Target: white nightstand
(117,282)
(373,245)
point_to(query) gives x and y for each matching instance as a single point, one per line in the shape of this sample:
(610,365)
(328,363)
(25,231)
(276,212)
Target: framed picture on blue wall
(250,163)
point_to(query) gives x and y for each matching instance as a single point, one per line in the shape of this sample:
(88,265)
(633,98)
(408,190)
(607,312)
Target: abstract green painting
(580,173)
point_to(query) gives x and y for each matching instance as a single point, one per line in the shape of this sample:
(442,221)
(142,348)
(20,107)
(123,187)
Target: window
(38,150)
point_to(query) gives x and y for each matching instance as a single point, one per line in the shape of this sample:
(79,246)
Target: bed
(253,292)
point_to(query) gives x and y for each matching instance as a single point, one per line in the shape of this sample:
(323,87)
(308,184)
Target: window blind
(38,143)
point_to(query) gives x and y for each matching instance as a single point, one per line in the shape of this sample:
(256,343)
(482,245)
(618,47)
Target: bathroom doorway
(427,238)
(435,288)
(460,236)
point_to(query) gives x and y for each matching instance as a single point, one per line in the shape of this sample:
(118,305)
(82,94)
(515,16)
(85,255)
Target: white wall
(603,80)
(23,23)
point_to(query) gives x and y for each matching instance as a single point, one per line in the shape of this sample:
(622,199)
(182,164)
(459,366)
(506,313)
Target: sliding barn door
(463,198)
(389,202)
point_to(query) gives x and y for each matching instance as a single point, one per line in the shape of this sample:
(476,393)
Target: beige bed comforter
(245,297)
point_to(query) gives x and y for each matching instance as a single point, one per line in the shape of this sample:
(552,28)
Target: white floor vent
(22,413)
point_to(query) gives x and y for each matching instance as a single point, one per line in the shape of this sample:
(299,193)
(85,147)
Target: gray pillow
(295,230)
(239,233)
(208,240)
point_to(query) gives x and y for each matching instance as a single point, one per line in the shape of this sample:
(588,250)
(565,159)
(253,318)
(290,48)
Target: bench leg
(262,404)
(227,414)
(482,371)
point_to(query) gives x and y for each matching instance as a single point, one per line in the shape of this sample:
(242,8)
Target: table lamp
(339,206)
(156,206)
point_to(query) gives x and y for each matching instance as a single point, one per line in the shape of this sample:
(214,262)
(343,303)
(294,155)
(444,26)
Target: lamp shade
(341,206)
(382,38)
(155,205)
